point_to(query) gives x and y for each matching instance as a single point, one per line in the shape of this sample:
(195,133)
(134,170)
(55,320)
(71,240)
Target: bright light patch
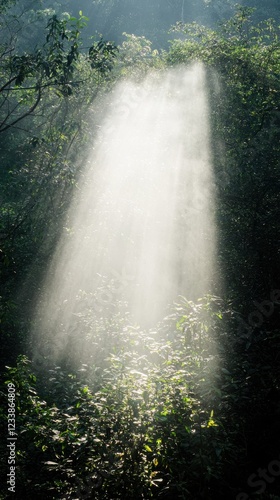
(142,229)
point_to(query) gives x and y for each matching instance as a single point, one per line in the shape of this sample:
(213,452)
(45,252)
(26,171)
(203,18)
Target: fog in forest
(141,231)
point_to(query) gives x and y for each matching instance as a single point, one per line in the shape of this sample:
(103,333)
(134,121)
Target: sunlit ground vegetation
(189,409)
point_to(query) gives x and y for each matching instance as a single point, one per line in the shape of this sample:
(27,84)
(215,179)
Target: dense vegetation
(190,410)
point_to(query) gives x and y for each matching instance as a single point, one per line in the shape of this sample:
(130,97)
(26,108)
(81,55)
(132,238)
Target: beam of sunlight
(141,231)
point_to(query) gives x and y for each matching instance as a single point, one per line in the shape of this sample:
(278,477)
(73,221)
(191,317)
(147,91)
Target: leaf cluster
(149,420)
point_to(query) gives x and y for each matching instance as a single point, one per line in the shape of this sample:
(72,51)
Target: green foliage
(101,54)
(52,68)
(136,57)
(243,64)
(146,424)
(45,94)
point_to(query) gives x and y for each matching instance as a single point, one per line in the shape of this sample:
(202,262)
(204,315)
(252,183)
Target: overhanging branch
(29,112)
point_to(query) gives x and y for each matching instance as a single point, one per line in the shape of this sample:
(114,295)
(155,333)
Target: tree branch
(9,125)
(8,83)
(51,84)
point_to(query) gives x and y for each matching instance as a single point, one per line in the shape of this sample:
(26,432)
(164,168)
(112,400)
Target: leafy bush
(153,422)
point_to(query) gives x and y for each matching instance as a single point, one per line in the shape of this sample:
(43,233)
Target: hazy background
(149,18)
(152,18)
